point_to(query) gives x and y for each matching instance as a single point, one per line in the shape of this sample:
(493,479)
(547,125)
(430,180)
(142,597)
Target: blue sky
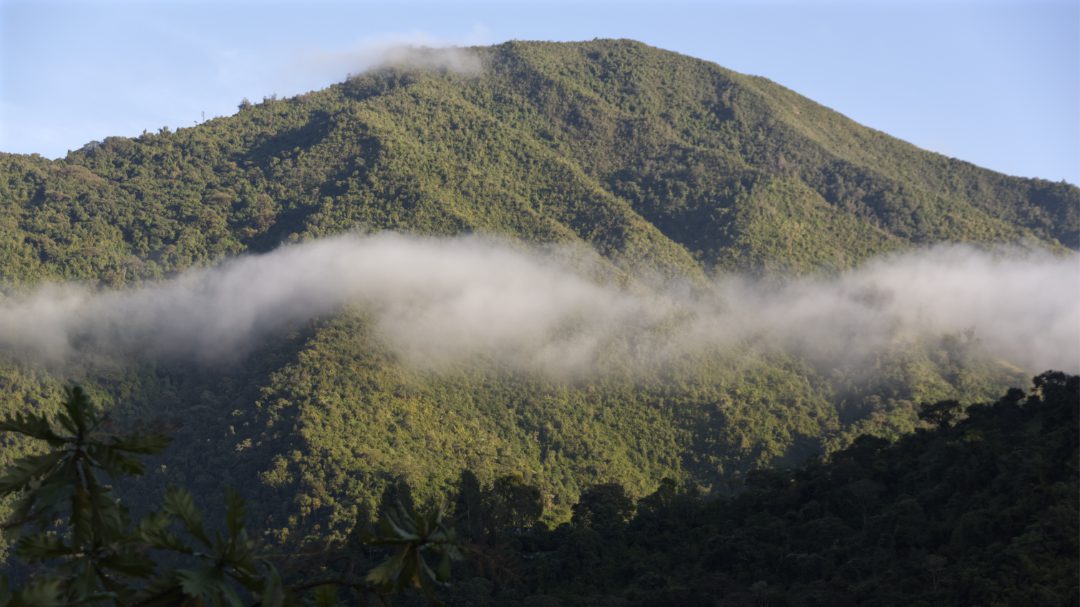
(995,82)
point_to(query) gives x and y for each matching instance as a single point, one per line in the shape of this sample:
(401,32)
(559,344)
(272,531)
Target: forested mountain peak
(646,155)
(658,164)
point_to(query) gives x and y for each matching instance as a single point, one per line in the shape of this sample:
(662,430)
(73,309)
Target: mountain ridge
(691,181)
(658,162)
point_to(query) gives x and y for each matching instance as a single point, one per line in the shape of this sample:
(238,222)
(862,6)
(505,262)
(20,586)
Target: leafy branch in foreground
(416,535)
(83,547)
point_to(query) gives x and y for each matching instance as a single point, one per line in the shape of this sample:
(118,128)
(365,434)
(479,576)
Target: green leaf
(40,593)
(180,504)
(82,517)
(239,552)
(85,583)
(398,526)
(234,512)
(41,546)
(32,425)
(79,411)
(199,582)
(111,518)
(147,443)
(154,530)
(273,595)
(230,594)
(114,462)
(28,472)
(388,574)
(53,490)
(442,573)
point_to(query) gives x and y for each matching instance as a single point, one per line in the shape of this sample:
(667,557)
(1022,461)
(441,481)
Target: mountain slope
(971,511)
(642,153)
(659,162)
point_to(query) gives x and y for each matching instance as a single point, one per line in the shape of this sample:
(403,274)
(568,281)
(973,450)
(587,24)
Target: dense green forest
(648,156)
(659,162)
(980,505)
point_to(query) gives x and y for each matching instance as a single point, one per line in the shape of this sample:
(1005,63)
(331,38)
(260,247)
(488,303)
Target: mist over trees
(660,173)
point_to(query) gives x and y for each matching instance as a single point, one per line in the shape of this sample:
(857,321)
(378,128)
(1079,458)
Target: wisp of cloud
(437,302)
(415,52)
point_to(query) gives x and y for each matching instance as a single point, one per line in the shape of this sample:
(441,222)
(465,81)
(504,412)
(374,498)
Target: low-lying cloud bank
(443,301)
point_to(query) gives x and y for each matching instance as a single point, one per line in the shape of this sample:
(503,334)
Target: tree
(419,538)
(96,553)
(603,507)
(469,507)
(512,503)
(942,414)
(88,550)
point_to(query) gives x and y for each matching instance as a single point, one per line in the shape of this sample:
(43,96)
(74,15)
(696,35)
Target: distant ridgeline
(662,164)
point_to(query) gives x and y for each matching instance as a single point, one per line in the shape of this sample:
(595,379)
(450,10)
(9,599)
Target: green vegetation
(980,505)
(648,156)
(659,162)
(84,549)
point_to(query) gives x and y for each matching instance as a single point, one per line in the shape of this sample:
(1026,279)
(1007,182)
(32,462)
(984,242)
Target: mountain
(642,153)
(659,162)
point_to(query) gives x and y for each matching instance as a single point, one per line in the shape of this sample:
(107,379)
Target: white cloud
(416,50)
(442,301)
